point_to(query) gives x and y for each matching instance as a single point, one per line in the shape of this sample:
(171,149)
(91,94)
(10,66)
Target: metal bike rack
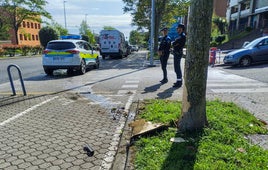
(11,80)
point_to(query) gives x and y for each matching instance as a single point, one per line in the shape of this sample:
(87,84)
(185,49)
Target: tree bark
(196,63)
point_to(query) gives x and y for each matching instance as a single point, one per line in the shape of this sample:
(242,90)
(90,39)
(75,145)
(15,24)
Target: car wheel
(49,72)
(70,71)
(245,61)
(82,69)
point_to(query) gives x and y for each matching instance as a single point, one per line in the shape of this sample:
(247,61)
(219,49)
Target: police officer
(178,45)
(163,52)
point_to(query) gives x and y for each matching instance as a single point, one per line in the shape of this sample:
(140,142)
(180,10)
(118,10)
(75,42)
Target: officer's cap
(181,26)
(164,29)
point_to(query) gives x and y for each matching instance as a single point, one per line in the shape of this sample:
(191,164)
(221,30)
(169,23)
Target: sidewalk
(51,132)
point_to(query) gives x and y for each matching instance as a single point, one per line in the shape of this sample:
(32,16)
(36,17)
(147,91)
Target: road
(30,67)
(110,69)
(257,71)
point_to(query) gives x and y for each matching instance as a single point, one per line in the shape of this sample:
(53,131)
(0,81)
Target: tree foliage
(136,37)
(109,28)
(166,12)
(47,34)
(14,12)
(86,32)
(60,28)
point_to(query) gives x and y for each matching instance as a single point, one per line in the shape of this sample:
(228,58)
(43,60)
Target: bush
(47,34)
(25,49)
(10,49)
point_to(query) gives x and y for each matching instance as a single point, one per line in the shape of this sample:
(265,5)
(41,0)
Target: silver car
(253,52)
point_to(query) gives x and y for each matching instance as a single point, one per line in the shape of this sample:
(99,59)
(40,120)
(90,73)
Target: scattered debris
(118,112)
(89,150)
(141,128)
(178,140)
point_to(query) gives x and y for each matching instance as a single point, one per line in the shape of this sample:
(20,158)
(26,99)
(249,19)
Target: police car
(69,53)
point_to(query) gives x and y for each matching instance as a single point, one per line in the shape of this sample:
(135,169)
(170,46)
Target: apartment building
(247,13)
(27,34)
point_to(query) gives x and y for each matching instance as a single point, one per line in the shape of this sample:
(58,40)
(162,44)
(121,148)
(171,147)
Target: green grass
(221,145)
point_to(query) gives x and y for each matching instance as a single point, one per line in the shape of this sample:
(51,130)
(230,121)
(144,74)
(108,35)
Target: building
(247,13)
(220,8)
(27,34)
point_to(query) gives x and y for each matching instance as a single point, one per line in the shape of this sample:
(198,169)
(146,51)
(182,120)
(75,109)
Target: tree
(60,28)
(47,34)
(14,12)
(136,37)
(84,30)
(4,35)
(196,64)
(165,12)
(108,28)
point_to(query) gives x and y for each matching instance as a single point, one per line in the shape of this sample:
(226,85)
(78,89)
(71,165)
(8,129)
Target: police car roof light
(76,37)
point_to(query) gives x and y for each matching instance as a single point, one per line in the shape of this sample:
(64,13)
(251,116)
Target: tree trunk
(196,64)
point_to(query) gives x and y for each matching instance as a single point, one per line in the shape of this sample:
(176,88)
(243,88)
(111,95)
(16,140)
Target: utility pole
(152,34)
(64,14)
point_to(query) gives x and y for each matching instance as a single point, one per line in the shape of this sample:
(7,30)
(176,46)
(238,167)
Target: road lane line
(26,111)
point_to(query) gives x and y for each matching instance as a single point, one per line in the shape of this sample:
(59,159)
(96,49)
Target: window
(23,24)
(25,37)
(38,26)
(36,37)
(21,37)
(35,25)
(28,25)
(32,26)
(33,37)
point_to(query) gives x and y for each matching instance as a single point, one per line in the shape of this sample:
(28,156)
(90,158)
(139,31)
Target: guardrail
(11,80)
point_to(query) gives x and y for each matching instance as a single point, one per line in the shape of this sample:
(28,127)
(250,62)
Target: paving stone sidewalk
(51,131)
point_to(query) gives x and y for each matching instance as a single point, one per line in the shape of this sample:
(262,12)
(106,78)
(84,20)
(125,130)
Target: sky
(97,13)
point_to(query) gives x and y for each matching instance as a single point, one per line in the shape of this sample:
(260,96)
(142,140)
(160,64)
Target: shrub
(47,34)
(10,49)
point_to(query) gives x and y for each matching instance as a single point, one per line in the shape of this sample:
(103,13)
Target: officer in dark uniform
(163,52)
(178,45)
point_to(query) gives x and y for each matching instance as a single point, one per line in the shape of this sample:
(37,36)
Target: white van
(112,43)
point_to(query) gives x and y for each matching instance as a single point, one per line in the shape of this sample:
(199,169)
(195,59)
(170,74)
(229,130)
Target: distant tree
(108,28)
(196,66)
(4,35)
(14,12)
(47,34)
(136,37)
(86,32)
(59,27)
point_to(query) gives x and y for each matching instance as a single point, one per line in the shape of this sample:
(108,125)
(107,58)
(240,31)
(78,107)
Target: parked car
(134,48)
(70,54)
(253,52)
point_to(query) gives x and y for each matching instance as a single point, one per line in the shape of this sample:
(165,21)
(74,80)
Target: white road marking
(132,81)
(26,111)
(247,90)
(130,86)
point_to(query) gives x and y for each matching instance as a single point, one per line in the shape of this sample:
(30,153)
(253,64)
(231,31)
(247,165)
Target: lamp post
(64,14)
(86,17)
(152,34)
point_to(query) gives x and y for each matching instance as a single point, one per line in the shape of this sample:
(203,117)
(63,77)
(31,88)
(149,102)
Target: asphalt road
(29,66)
(257,71)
